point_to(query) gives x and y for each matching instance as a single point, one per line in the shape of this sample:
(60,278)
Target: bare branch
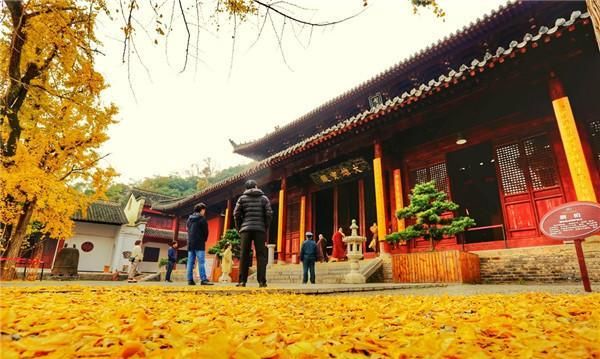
(187,28)
(293,18)
(280,40)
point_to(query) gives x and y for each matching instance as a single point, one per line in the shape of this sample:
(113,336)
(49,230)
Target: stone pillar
(379,198)
(580,173)
(271,251)
(281,222)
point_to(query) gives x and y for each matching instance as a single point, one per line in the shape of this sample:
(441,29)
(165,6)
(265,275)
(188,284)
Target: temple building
(503,115)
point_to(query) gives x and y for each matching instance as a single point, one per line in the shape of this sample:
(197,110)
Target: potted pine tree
(428,208)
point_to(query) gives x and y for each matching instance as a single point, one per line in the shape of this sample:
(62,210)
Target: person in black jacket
(252,216)
(172,259)
(197,227)
(308,257)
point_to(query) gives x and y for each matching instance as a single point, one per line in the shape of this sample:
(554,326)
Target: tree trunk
(16,241)
(594,10)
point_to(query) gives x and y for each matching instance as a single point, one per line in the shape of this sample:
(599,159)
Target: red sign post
(573,221)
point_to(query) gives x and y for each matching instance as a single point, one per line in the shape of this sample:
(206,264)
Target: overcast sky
(176,119)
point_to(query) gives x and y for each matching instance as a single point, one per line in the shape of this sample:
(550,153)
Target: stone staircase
(326,273)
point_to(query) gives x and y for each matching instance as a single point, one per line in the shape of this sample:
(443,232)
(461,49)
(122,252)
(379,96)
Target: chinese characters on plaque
(341,172)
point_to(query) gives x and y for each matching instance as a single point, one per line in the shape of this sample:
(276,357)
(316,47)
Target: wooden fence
(436,267)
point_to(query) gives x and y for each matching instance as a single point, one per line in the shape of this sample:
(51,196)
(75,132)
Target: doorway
(323,214)
(474,187)
(347,205)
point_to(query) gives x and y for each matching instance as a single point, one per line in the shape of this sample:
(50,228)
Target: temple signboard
(340,172)
(573,221)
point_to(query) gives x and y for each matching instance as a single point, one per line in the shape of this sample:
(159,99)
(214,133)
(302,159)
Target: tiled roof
(150,196)
(164,234)
(477,65)
(412,66)
(102,212)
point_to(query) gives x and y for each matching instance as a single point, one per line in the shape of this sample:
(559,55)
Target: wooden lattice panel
(512,175)
(436,172)
(540,162)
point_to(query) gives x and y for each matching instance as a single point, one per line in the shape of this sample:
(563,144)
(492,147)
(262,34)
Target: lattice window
(540,162)
(595,135)
(439,174)
(436,172)
(511,172)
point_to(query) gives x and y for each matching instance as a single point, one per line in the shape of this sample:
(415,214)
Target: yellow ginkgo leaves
(154,322)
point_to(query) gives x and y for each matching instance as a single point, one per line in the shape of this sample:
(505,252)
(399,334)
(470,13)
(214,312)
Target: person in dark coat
(171,260)
(197,228)
(252,216)
(308,257)
(322,249)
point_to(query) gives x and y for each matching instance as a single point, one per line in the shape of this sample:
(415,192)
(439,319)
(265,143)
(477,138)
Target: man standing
(308,257)
(172,259)
(197,227)
(252,216)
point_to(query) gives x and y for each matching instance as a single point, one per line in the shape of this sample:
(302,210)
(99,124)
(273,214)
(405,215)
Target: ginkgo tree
(52,120)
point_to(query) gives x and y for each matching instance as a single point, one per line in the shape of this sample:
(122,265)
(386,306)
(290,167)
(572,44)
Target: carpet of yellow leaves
(157,322)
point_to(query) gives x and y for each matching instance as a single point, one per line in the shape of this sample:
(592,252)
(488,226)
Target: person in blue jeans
(197,227)
(308,257)
(171,260)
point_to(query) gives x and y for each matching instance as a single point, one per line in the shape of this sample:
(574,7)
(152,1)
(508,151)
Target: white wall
(102,237)
(125,241)
(153,266)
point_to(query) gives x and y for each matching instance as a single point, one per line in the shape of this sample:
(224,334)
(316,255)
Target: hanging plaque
(341,172)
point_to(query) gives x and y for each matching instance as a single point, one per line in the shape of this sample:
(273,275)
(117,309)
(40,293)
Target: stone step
(329,273)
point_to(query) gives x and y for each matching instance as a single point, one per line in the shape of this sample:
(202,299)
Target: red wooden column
(281,221)
(336,223)
(309,213)
(226,223)
(362,220)
(175,228)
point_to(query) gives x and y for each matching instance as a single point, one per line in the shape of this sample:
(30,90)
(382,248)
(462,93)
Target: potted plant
(428,208)
(162,262)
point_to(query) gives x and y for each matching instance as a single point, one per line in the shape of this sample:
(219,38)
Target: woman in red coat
(339,248)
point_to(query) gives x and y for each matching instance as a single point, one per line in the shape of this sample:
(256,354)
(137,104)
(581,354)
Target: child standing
(135,258)
(308,256)
(172,254)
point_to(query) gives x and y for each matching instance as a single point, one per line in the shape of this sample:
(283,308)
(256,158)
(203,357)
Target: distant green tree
(427,206)
(117,193)
(172,185)
(230,171)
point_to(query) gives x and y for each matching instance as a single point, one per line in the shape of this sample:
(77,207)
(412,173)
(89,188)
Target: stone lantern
(354,244)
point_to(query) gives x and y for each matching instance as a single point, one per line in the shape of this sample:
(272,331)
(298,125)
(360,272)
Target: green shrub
(427,207)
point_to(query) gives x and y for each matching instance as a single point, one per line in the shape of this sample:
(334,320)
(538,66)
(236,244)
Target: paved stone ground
(473,289)
(329,289)
(229,288)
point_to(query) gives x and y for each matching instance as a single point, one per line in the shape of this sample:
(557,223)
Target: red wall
(215,226)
